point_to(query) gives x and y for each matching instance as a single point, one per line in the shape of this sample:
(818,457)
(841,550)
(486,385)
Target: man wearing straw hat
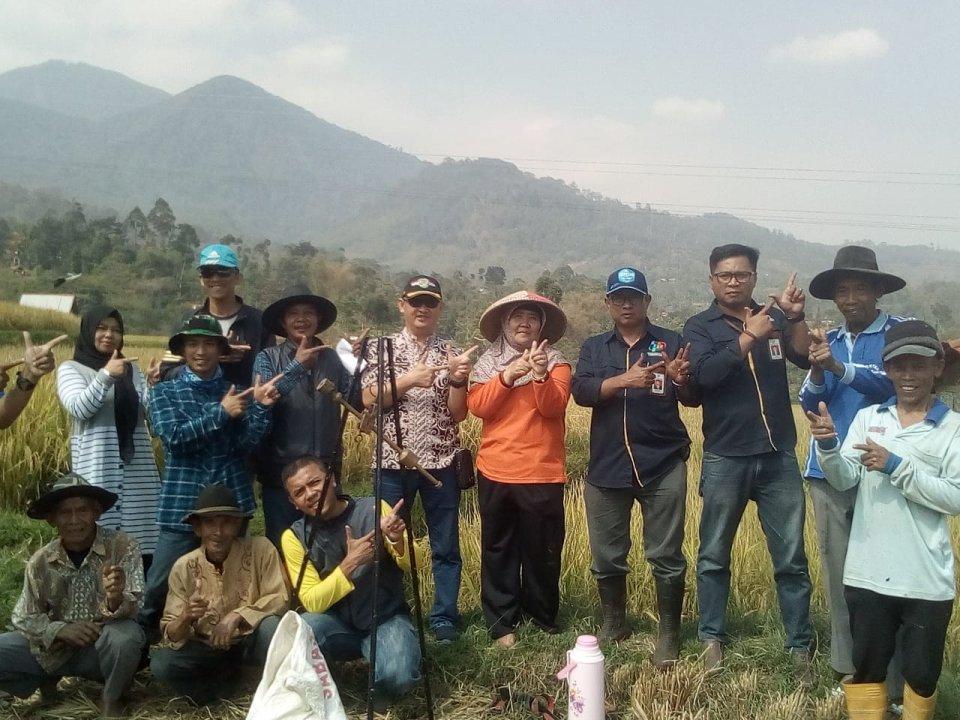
(846,373)
(305,421)
(81,593)
(223,604)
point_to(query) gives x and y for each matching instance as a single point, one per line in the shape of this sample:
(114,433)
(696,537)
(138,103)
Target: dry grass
(756,684)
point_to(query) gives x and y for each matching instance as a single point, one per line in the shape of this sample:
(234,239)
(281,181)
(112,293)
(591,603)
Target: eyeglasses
(741,277)
(423,301)
(620,299)
(217,272)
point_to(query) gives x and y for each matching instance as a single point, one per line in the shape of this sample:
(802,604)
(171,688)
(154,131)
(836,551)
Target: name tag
(877,429)
(776,349)
(659,384)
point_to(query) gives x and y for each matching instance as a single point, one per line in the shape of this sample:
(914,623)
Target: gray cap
(911,337)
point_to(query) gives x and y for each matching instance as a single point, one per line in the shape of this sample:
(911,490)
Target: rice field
(756,684)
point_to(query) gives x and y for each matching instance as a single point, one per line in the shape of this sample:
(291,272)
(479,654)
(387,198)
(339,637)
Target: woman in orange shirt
(519,390)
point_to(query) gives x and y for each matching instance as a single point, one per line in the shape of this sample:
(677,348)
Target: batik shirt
(56,592)
(426,425)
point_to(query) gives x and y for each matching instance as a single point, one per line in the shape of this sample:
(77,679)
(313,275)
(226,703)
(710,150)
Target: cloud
(848,46)
(688,109)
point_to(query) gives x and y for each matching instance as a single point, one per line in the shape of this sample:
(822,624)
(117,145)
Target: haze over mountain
(232,158)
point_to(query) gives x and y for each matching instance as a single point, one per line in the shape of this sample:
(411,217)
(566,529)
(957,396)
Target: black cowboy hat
(858,261)
(216,499)
(67,486)
(273,315)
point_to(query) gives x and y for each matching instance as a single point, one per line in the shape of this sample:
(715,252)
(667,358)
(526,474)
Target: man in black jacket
(219,269)
(306,422)
(632,377)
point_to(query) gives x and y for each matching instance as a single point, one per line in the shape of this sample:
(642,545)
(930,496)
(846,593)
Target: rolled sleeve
(849,373)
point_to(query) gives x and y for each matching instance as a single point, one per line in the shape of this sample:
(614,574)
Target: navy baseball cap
(627,278)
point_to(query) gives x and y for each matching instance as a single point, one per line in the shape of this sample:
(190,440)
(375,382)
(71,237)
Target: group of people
(142,557)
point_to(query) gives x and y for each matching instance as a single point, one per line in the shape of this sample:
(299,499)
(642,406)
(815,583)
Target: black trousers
(521,538)
(875,620)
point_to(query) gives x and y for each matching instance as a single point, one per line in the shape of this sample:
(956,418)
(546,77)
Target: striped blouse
(87,396)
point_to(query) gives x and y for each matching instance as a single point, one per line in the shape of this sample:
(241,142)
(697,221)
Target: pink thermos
(584,675)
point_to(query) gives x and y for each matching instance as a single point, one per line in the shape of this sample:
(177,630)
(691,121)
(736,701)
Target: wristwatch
(24,384)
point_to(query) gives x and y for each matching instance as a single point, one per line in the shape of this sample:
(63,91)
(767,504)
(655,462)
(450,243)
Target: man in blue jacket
(632,377)
(208,427)
(846,372)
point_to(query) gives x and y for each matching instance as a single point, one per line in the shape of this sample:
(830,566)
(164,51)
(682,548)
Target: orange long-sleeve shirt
(522,440)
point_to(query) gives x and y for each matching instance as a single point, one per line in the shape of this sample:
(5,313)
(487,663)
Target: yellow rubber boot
(866,701)
(916,707)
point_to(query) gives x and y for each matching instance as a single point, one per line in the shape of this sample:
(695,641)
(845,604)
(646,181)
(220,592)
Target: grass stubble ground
(756,683)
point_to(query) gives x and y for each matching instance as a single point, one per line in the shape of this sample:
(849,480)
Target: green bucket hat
(198,325)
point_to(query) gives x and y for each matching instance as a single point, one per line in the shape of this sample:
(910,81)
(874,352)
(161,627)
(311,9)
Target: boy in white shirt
(905,456)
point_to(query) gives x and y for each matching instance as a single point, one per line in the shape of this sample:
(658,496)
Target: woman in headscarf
(105,395)
(519,390)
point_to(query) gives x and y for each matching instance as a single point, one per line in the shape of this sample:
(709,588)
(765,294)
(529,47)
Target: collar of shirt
(191,377)
(843,333)
(57,554)
(651,331)
(241,312)
(937,412)
(409,337)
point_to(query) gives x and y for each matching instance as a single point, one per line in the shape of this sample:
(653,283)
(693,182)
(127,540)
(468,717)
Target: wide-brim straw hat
(491,322)
(68,486)
(857,261)
(272,318)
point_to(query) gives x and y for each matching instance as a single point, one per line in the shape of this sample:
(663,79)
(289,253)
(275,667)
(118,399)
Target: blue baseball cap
(218,256)
(627,278)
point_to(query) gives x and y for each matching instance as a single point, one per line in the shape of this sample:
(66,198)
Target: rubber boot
(916,707)
(669,608)
(613,604)
(866,701)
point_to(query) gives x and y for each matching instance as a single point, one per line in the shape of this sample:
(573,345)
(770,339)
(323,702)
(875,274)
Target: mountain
(77,90)
(471,214)
(226,153)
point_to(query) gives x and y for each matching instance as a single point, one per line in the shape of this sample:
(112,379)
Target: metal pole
(377,532)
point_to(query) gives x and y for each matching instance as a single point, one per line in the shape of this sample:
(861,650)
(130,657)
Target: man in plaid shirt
(208,428)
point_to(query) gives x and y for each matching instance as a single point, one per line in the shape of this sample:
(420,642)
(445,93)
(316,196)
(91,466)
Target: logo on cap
(422,283)
(626,275)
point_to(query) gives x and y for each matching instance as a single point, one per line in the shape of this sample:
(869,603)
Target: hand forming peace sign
(517,369)
(421,375)
(392,525)
(678,368)
(821,426)
(640,375)
(792,300)
(874,456)
(38,359)
(459,366)
(539,359)
(116,366)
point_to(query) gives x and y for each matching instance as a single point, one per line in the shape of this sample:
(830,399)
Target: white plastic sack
(296,683)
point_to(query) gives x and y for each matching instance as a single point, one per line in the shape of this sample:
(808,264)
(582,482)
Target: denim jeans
(772,480)
(441,506)
(171,546)
(278,512)
(398,648)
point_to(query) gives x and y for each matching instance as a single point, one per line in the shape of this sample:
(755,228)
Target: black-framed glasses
(420,301)
(217,272)
(742,276)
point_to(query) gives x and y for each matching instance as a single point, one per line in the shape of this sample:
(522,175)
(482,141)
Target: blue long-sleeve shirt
(202,444)
(862,384)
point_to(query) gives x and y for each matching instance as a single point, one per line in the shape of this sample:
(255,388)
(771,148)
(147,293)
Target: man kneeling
(337,586)
(81,593)
(224,602)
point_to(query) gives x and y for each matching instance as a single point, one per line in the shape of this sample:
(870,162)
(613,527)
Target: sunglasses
(423,301)
(217,272)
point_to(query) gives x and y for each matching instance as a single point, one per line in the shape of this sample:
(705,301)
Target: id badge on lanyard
(655,353)
(776,349)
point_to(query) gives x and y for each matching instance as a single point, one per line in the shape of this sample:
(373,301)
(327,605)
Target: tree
(135,226)
(549,288)
(161,220)
(495,276)
(185,241)
(304,249)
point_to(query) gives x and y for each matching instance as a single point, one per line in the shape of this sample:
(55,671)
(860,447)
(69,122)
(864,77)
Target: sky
(835,121)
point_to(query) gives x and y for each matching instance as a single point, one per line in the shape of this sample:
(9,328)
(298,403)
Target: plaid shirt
(202,444)
(56,592)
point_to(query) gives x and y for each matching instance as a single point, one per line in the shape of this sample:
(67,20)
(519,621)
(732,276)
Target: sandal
(542,706)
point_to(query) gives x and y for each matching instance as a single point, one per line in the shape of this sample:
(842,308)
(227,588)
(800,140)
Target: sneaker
(446,633)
